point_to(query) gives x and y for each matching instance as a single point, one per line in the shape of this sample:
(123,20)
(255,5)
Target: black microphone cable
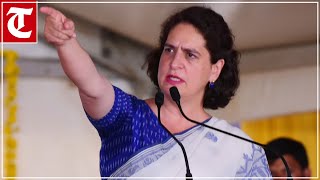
(159,102)
(175,95)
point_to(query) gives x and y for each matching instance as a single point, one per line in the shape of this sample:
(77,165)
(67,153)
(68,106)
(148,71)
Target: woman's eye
(191,55)
(167,49)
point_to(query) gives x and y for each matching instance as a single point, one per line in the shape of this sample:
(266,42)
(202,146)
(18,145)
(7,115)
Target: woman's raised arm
(96,92)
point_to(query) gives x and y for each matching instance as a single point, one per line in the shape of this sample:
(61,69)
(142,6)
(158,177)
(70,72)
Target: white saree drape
(210,154)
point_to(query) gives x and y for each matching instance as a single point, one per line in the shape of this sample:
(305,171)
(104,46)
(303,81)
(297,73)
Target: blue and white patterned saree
(135,145)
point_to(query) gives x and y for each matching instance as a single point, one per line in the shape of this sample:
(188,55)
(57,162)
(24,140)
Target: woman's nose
(177,60)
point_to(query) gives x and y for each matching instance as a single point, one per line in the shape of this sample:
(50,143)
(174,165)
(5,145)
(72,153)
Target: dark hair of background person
(219,43)
(288,146)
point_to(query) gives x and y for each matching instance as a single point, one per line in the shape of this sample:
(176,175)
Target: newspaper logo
(19,22)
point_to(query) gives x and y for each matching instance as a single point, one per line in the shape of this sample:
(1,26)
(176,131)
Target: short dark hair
(289,146)
(219,43)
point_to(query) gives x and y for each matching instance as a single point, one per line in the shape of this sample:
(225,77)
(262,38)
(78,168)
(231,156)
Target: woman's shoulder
(124,96)
(127,102)
(233,136)
(228,127)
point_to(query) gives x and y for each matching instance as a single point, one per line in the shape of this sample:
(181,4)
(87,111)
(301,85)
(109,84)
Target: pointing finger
(50,11)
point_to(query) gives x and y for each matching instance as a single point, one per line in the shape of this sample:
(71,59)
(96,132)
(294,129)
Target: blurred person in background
(294,153)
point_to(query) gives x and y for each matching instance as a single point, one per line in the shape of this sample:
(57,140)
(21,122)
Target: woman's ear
(216,70)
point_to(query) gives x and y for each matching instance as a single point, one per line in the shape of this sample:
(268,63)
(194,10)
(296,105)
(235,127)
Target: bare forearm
(79,67)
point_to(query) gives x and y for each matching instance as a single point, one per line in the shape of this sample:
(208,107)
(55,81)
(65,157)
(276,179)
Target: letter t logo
(19,22)
(19,12)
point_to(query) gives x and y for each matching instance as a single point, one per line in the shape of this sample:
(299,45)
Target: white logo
(20,12)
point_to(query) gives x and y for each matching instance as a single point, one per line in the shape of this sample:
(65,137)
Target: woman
(196,55)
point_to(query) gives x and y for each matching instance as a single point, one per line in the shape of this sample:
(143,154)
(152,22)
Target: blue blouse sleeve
(122,110)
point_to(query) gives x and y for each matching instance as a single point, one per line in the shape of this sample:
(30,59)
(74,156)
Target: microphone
(159,102)
(175,95)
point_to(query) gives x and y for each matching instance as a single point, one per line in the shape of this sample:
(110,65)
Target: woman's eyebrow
(192,50)
(169,45)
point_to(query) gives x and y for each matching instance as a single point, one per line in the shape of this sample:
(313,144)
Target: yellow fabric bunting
(11,77)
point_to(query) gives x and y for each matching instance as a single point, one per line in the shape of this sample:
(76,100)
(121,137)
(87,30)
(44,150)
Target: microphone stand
(176,98)
(159,102)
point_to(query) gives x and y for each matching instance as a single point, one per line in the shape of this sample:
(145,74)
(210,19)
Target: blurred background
(51,136)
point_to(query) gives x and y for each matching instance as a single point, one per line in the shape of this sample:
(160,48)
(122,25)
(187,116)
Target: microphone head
(159,99)
(175,95)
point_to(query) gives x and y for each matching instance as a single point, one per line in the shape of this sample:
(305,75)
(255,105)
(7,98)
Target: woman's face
(185,62)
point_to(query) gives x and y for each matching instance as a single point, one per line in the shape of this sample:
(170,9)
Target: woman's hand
(58,29)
